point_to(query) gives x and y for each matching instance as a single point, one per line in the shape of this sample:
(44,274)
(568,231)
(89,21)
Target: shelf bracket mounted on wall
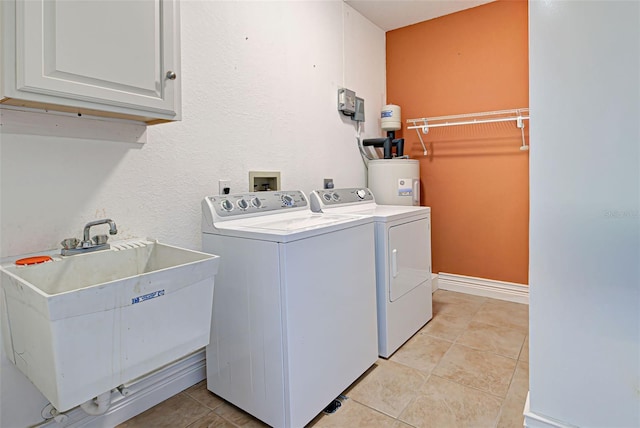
(518,115)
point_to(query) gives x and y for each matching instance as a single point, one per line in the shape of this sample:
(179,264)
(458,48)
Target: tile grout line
(426,379)
(502,399)
(428,375)
(517,357)
(211,409)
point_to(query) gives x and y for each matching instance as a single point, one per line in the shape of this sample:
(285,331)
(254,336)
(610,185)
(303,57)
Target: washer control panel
(333,197)
(256,202)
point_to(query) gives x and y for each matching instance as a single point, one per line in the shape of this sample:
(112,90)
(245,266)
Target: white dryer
(294,314)
(403,261)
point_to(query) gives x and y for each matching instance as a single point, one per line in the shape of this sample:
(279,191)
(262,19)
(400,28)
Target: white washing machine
(294,313)
(403,261)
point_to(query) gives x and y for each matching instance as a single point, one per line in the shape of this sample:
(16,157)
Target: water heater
(395,181)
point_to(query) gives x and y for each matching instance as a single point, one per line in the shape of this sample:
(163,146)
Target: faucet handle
(70,243)
(100,239)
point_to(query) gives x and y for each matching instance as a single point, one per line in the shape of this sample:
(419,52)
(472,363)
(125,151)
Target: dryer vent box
(260,181)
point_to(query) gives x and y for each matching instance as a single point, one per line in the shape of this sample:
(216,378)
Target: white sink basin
(81,325)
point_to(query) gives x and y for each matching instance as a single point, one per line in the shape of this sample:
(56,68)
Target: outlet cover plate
(222,184)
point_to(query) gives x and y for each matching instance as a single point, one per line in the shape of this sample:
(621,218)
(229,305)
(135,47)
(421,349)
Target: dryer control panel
(244,204)
(337,197)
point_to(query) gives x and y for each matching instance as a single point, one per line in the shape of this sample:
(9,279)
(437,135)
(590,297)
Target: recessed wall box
(347,101)
(264,181)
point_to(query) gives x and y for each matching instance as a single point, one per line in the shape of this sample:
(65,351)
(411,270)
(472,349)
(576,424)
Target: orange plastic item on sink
(33,260)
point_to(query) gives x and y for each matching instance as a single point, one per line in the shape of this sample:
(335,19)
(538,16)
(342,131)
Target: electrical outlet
(328,183)
(224,187)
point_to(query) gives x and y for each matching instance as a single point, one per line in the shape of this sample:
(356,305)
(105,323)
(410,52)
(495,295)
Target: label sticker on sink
(148,296)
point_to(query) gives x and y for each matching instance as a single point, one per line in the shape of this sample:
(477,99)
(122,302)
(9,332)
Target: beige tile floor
(468,367)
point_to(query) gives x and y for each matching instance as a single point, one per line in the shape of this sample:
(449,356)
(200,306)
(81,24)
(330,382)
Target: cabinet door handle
(171,75)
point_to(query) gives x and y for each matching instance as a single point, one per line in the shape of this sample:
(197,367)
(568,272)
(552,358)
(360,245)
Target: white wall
(260,83)
(585,213)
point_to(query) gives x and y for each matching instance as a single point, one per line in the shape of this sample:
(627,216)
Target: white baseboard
(509,291)
(532,420)
(434,282)
(144,393)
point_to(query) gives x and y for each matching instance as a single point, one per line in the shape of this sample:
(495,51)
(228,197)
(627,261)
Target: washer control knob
(256,202)
(361,193)
(335,197)
(287,201)
(242,204)
(226,205)
(326,196)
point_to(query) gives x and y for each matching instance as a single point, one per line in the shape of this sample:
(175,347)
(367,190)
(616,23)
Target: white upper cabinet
(99,57)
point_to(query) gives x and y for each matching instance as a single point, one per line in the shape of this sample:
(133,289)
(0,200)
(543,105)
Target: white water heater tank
(395,181)
(391,118)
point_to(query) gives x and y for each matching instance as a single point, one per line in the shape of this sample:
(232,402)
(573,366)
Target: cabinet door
(110,53)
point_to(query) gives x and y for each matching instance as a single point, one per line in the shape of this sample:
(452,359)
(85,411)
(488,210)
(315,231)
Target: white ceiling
(392,14)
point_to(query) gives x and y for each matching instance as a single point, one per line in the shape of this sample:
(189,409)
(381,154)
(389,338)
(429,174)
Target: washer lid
(287,227)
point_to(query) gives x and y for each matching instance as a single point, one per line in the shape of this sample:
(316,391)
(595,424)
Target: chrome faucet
(86,242)
(98,242)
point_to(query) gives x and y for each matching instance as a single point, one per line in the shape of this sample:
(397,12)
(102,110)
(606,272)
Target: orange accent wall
(474,178)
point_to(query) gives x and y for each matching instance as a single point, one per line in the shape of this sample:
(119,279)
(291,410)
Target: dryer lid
(361,201)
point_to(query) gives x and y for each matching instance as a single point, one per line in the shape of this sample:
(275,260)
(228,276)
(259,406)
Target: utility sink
(79,326)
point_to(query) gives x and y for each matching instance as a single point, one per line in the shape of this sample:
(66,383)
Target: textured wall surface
(259,82)
(475,178)
(585,213)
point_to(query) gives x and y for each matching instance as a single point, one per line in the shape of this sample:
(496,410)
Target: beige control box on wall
(260,181)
